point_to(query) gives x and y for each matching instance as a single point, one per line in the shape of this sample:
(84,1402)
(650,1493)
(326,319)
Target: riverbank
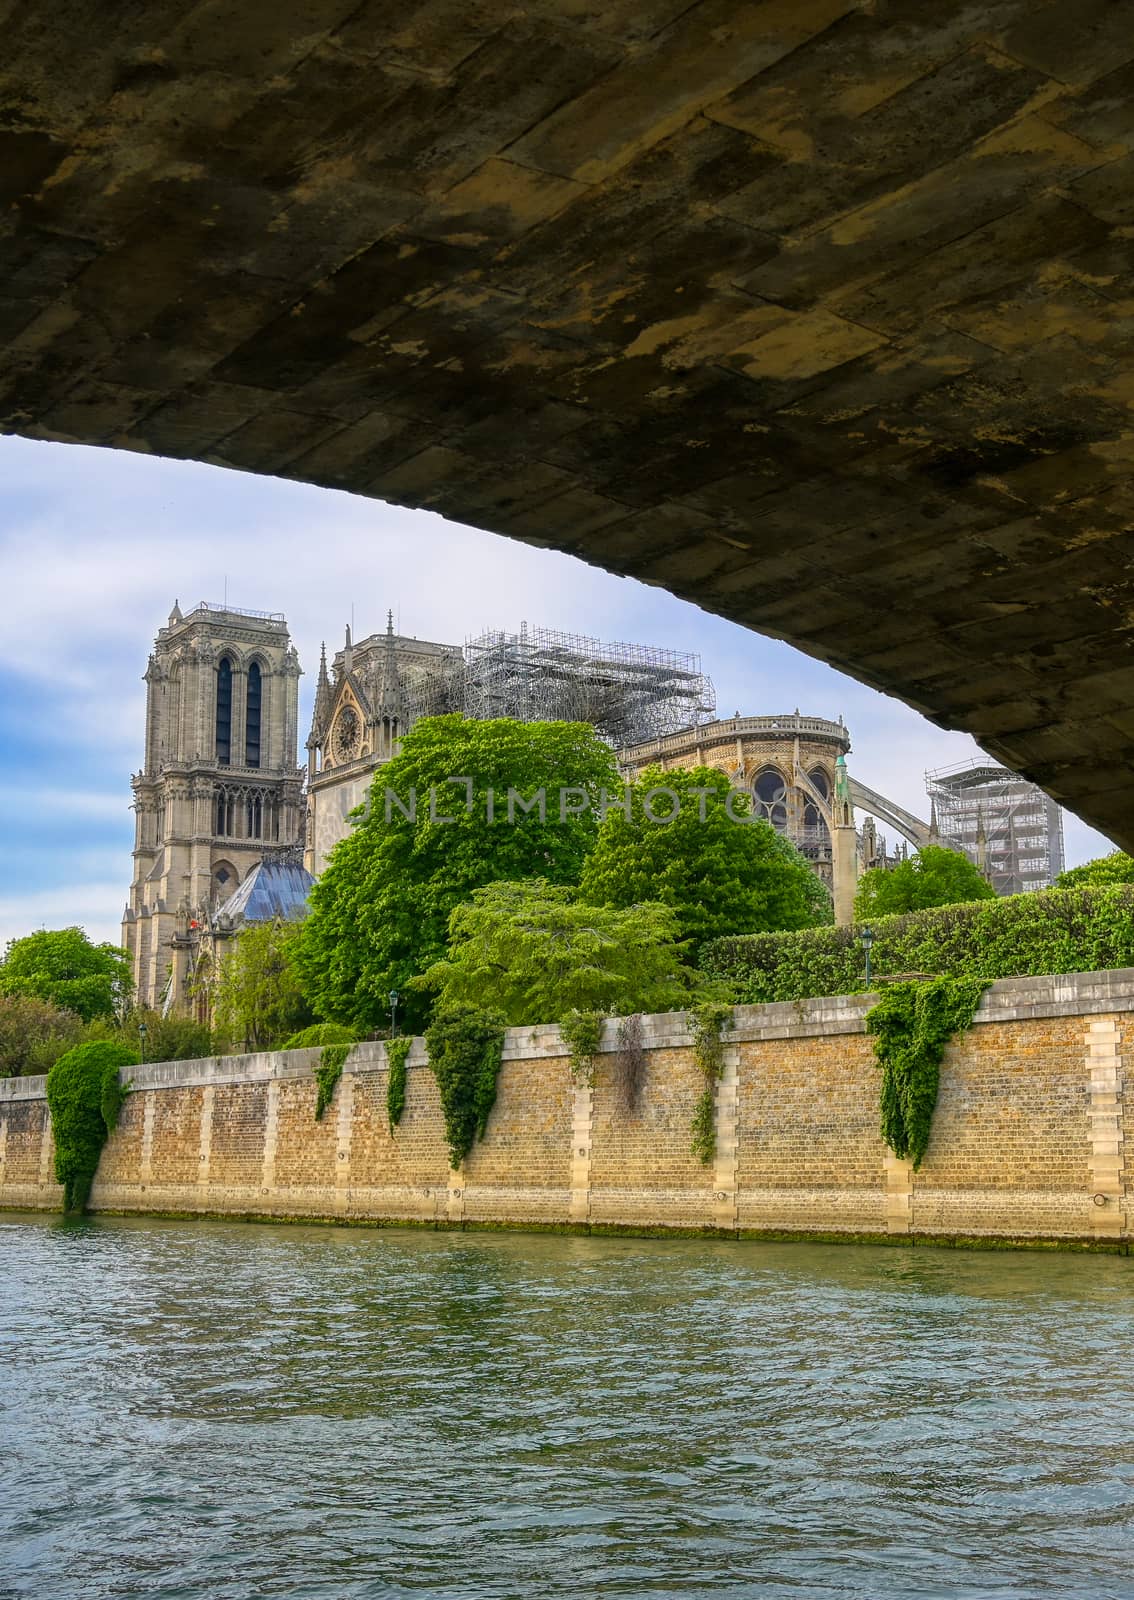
(1028,1142)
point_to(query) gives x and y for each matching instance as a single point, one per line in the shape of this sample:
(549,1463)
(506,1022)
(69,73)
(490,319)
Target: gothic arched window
(224,712)
(770,794)
(812,816)
(816,842)
(253,702)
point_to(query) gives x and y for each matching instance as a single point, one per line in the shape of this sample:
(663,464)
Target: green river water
(235,1411)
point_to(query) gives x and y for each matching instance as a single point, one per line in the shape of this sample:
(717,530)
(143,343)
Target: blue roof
(274,888)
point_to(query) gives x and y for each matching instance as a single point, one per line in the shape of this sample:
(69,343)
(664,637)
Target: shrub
(320,1033)
(34,1033)
(84,1095)
(167,1038)
(1027,935)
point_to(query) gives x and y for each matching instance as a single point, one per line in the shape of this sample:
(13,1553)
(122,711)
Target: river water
(233,1411)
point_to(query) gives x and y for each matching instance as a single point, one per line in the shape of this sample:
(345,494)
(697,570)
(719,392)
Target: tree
(534,951)
(34,1034)
(446,816)
(933,877)
(63,966)
(259,998)
(720,869)
(1117,867)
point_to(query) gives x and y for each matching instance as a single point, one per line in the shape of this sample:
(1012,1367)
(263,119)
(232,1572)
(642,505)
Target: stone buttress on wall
(1028,1142)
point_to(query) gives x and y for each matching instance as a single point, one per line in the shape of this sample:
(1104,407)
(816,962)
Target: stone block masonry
(1029,1137)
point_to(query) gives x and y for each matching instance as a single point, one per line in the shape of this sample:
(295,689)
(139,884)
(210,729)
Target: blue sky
(95,545)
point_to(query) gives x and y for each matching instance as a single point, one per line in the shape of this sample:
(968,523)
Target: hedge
(1025,935)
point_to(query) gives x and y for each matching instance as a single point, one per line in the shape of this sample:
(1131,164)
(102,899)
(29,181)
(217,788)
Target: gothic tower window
(252,716)
(770,793)
(224,712)
(224,818)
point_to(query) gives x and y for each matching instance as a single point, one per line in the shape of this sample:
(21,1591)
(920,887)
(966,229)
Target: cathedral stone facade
(362,707)
(219,786)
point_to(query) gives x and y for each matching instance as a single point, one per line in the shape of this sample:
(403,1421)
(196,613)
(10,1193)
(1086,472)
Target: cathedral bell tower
(219,782)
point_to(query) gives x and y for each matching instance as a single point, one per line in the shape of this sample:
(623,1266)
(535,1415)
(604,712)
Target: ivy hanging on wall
(397,1052)
(327,1075)
(336,1042)
(707,1024)
(912,1024)
(465,1043)
(84,1096)
(582,1034)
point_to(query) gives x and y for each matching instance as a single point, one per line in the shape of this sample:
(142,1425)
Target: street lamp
(393,1012)
(142,1041)
(866,939)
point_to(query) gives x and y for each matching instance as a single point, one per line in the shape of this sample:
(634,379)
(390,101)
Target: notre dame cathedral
(230,830)
(219,794)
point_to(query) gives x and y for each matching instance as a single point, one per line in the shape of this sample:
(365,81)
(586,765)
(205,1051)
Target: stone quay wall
(1028,1142)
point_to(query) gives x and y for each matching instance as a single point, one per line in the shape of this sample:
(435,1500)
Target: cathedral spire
(322,707)
(390,698)
(175,615)
(348,654)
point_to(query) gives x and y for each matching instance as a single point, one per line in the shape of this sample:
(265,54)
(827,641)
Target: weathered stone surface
(817,312)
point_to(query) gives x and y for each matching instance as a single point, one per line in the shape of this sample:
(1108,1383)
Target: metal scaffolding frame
(1004,824)
(630,692)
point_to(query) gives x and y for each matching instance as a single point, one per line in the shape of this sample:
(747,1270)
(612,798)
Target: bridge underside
(817,313)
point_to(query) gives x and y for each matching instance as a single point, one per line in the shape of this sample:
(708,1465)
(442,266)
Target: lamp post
(866,939)
(393,1012)
(142,1041)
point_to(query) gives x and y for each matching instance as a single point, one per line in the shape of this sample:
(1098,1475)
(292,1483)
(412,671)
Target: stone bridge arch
(814,312)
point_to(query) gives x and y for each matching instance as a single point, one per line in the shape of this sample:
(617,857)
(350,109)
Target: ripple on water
(225,1411)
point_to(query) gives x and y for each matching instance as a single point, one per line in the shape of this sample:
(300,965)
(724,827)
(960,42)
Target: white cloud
(18,805)
(88,905)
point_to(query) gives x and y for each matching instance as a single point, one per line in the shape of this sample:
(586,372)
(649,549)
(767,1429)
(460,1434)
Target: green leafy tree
(534,952)
(721,870)
(63,966)
(1117,867)
(380,912)
(259,998)
(933,877)
(34,1033)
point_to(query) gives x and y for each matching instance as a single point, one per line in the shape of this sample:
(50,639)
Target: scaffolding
(629,692)
(434,690)
(1006,826)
